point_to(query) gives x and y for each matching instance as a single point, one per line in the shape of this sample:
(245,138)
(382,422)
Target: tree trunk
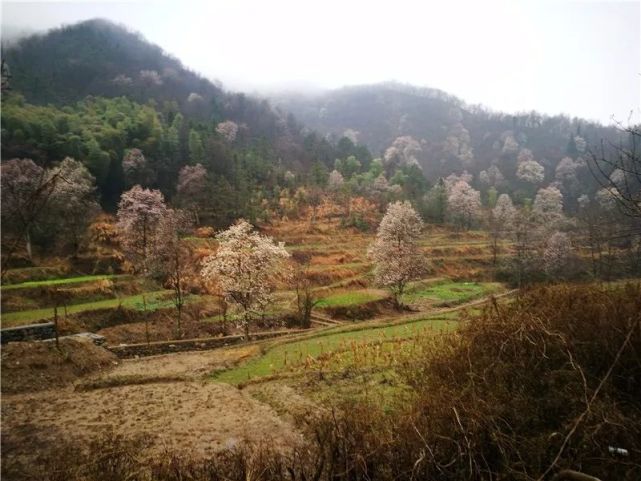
(180,309)
(144,308)
(28,242)
(55,325)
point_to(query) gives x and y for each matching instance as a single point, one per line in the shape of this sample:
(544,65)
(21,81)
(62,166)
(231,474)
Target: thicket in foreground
(551,381)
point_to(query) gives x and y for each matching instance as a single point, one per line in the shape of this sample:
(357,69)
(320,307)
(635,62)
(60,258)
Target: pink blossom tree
(192,189)
(245,267)
(396,254)
(26,190)
(73,202)
(136,168)
(228,130)
(139,213)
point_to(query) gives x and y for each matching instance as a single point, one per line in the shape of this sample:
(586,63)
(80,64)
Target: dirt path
(192,365)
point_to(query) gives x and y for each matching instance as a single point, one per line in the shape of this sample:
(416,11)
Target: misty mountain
(57,75)
(100,58)
(450,135)
(94,91)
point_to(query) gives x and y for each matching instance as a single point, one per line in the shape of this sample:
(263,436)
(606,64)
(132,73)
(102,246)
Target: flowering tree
(501,221)
(463,203)
(245,266)
(336,180)
(73,200)
(510,145)
(402,152)
(558,251)
(192,188)
(136,168)
(139,213)
(457,144)
(396,254)
(530,171)
(150,78)
(548,206)
(26,190)
(228,130)
(491,176)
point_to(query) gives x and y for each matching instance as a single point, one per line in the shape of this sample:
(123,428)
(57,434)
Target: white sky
(582,58)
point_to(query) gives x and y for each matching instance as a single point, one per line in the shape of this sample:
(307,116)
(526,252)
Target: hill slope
(100,58)
(452,136)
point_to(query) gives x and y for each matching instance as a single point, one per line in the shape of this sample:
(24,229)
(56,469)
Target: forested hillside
(94,91)
(444,135)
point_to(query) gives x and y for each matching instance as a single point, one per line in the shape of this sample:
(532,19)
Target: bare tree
(501,220)
(617,168)
(171,257)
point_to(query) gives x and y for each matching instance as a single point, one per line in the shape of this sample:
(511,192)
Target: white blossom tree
(510,145)
(245,266)
(396,253)
(548,206)
(557,253)
(402,152)
(530,171)
(453,178)
(457,144)
(580,143)
(150,78)
(492,176)
(192,189)
(463,204)
(335,181)
(501,221)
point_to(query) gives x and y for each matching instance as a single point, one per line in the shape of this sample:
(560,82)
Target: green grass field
(62,281)
(352,298)
(452,291)
(153,299)
(278,356)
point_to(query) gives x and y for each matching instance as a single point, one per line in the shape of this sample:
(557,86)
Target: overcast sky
(575,57)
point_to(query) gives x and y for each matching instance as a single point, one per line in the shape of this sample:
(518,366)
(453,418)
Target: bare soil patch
(195,417)
(36,366)
(185,365)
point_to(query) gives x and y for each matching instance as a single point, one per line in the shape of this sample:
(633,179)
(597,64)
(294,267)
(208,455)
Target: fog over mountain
(577,58)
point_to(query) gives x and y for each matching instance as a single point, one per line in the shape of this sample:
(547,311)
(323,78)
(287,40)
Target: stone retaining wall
(31,332)
(203,344)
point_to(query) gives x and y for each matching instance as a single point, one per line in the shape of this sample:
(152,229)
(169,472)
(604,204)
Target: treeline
(442,133)
(102,132)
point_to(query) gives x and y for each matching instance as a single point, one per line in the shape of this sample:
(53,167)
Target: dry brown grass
(36,366)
